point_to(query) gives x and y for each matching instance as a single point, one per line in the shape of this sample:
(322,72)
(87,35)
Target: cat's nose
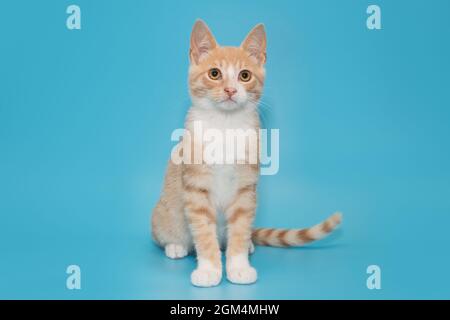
(230,91)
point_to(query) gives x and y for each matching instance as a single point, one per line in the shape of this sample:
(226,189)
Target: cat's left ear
(202,42)
(255,43)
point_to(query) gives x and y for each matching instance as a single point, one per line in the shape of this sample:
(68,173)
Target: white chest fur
(225,180)
(224,185)
(223,191)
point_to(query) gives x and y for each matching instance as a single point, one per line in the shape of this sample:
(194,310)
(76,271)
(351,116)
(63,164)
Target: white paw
(175,251)
(243,275)
(206,277)
(251,248)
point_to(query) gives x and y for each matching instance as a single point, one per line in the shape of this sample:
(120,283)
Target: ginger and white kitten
(208,206)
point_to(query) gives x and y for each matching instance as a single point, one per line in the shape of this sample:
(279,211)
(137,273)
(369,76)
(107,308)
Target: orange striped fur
(295,237)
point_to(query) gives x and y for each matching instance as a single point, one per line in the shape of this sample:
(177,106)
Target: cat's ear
(255,43)
(202,42)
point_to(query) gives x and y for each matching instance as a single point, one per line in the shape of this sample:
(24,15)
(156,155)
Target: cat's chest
(225,177)
(223,123)
(224,185)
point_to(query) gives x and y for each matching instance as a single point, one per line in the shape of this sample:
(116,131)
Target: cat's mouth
(229,99)
(228,104)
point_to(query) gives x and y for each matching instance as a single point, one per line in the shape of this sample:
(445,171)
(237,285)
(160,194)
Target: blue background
(85,124)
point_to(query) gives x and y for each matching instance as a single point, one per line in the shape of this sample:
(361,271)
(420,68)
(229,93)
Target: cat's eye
(215,74)
(245,76)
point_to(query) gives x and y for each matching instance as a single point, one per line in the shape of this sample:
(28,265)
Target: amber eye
(214,74)
(245,76)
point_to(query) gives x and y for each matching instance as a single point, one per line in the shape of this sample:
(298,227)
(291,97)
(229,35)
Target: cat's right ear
(202,42)
(255,43)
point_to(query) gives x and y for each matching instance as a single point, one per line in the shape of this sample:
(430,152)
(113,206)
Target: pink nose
(230,91)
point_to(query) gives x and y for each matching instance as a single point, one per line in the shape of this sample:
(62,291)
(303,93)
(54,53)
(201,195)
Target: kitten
(203,205)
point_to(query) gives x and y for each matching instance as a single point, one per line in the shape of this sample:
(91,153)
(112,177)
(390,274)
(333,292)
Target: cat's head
(226,78)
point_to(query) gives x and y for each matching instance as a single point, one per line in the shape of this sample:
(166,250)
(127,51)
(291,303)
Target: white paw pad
(251,248)
(243,275)
(175,251)
(206,277)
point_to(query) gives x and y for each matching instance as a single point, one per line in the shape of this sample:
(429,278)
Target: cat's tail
(295,237)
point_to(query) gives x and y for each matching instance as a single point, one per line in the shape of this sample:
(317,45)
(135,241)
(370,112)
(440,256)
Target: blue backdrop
(85,123)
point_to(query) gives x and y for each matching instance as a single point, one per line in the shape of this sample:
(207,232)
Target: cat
(206,207)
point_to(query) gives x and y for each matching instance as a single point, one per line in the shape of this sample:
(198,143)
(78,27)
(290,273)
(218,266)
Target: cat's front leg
(240,217)
(202,221)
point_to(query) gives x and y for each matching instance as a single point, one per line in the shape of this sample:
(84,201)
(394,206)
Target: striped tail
(295,237)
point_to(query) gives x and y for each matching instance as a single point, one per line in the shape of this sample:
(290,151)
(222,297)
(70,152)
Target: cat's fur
(206,207)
